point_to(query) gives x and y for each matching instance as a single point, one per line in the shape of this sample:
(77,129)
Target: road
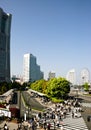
(86,98)
(28,104)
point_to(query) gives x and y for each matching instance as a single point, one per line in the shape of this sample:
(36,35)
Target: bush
(55,100)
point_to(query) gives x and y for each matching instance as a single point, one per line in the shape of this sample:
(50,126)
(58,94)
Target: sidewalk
(11,125)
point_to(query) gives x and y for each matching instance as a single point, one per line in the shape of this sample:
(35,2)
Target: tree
(58,87)
(4,86)
(86,86)
(16,85)
(39,85)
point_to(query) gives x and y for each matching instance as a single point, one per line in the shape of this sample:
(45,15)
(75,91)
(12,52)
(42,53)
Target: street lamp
(28,106)
(29,109)
(77,92)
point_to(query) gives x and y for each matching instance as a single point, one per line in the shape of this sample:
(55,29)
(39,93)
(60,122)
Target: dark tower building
(5,26)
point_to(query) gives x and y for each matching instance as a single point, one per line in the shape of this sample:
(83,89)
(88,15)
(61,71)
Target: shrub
(55,100)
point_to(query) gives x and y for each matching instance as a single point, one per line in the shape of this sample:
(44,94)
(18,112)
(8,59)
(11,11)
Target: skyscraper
(51,75)
(31,71)
(5,26)
(71,77)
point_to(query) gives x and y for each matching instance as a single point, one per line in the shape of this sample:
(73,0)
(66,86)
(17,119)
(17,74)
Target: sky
(57,32)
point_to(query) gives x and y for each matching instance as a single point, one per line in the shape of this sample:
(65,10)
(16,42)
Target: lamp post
(77,92)
(29,109)
(54,124)
(28,106)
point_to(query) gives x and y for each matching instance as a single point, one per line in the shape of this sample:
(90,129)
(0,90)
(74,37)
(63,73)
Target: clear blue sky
(57,32)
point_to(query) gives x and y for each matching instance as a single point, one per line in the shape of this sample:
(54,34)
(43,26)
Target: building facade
(5,26)
(31,71)
(71,76)
(51,75)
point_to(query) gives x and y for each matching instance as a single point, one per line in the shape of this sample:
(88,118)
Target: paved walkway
(74,124)
(11,125)
(69,123)
(86,104)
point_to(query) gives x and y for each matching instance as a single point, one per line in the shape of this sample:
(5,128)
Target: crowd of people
(54,115)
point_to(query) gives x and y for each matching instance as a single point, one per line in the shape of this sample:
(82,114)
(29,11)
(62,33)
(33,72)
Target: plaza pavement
(69,123)
(86,104)
(11,125)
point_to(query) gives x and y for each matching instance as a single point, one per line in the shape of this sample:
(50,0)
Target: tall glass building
(5,26)
(31,71)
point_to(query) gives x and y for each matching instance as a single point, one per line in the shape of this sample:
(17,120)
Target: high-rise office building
(5,26)
(71,77)
(31,71)
(51,75)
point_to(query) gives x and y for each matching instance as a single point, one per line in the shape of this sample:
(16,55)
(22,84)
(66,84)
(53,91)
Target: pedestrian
(19,126)
(58,123)
(34,125)
(72,114)
(48,127)
(61,128)
(39,115)
(5,127)
(45,125)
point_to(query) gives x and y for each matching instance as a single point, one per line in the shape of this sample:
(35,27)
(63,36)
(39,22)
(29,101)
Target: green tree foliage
(16,85)
(86,86)
(39,85)
(4,86)
(58,87)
